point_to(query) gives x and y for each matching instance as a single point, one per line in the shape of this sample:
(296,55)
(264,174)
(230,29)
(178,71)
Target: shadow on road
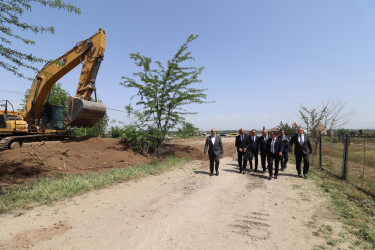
(201,172)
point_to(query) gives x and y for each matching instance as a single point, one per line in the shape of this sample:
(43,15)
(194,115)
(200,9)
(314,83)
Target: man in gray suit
(215,149)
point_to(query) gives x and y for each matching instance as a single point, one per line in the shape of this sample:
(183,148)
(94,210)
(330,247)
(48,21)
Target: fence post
(345,157)
(320,150)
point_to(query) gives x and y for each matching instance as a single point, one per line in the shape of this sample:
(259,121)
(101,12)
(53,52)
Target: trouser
(271,158)
(263,158)
(255,156)
(214,159)
(306,163)
(284,159)
(242,160)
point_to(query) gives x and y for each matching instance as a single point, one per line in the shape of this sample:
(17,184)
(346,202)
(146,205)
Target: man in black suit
(285,157)
(253,150)
(215,149)
(302,149)
(262,149)
(275,149)
(242,143)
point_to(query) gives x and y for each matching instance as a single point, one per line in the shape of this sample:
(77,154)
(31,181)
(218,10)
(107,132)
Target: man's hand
(291,152)
(244,149)
(205,153)
(280,153)
(259,153)
(240,150)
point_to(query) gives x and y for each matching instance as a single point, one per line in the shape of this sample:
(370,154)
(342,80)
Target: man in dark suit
(302,149)
(285,157)
(275,149)
(253,150)
(242,143)
(215,149)
(262,149)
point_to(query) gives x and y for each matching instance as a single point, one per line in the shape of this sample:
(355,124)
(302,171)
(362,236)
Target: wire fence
(351,158)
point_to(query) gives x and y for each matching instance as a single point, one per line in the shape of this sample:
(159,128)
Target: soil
(184,208)
(85,154)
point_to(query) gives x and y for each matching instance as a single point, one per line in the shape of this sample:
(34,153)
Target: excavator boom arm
(89,53)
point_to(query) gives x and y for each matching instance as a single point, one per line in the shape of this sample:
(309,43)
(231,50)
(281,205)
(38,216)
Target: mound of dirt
(85,154)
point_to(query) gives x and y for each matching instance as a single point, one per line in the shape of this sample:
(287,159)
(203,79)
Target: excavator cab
(82,113)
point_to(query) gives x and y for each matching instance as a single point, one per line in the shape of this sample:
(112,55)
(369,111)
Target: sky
(263,60)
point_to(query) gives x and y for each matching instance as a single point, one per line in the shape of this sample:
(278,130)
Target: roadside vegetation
(356,209)
(49,190)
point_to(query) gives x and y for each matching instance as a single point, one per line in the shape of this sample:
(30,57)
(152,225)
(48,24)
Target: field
(361,160)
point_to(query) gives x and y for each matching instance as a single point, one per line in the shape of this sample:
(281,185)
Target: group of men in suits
(273,149)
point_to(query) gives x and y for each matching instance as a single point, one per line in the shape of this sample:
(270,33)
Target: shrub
(142,140)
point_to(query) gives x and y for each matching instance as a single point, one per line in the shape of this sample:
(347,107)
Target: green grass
(351,206)
(48,190)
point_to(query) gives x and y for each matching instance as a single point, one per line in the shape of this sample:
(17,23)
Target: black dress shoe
(305,175)
(299,175)
(243,172)
(240,171)
(264,171)
(250,170)
(211,174)
(270,177)
(217,173)
(282,169)
(275,177)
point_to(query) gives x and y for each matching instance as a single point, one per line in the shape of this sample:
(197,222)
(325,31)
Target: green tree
(290,130)
(58,96)
(12,28)
(187,130)
(164,91)
(96,130)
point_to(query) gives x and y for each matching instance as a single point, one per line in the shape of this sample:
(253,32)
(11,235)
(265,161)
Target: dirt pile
(85,154)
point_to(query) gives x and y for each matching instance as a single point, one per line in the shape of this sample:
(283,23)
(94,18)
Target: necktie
(273,146)
(254,138)
(300,140)
(241,137)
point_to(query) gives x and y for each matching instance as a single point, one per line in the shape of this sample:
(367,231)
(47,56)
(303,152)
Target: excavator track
(14,142)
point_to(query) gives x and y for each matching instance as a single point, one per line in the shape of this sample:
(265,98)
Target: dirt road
(181,209)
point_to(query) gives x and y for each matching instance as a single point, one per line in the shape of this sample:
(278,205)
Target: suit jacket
(298,149)
(278,146)
(287,147)
(253,146)
(242,144)
(262,144)
(214,149)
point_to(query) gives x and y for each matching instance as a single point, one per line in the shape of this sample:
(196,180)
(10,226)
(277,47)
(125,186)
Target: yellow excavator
(42,121)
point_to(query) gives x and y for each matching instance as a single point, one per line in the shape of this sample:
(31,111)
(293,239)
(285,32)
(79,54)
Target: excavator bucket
(83,113)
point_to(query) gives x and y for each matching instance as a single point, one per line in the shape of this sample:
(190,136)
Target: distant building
(273,129)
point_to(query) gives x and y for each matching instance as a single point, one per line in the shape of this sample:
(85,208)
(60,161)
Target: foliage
(187,130)
(164,91)
(290,130)
(58,96)
(11,26)
(142,140)
(94,130)
(116,131)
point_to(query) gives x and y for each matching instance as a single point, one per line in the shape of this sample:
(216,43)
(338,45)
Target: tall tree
(58,96)
(164,91)
(12,27)
(329,113)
